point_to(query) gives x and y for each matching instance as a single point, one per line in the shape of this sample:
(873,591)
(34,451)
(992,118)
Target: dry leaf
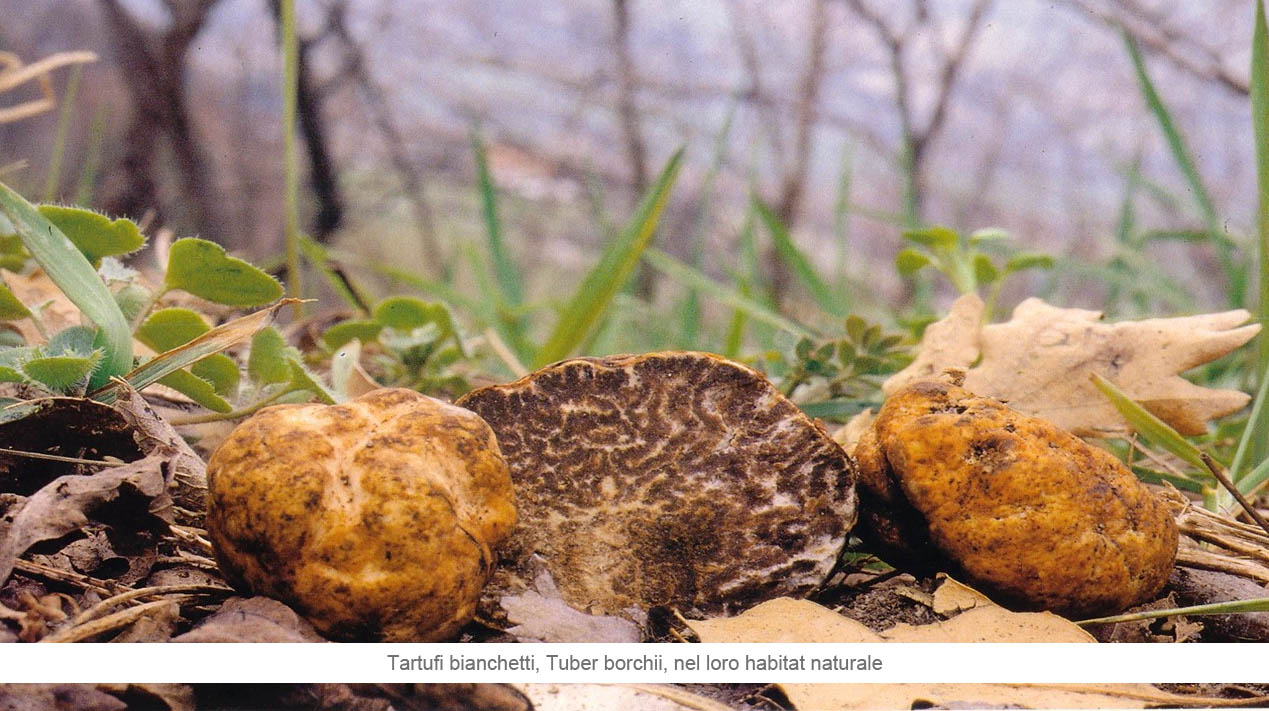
(67,503)
(952,597)
(843,697)
(255,619)
(628,697)
(542,616)
(789,620)
(57,697)
(1041,360)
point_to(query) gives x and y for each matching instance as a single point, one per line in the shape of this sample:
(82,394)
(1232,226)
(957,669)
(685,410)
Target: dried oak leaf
(787,620)
(668,478)
(1041,360)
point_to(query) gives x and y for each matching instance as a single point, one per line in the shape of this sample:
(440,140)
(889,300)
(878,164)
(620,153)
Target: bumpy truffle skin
(673,478)
(374,519)
(1026,509)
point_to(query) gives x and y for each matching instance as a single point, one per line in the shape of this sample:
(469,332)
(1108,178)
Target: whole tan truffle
(672,479)
(374,519)
(1025,509)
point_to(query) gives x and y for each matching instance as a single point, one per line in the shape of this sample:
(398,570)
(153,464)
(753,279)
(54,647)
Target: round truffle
(669,478)
(1024,509)
(374,519)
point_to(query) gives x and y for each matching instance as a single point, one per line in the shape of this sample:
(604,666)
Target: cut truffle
(669,478)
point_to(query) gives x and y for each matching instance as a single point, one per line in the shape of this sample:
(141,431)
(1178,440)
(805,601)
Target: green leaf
(71,341)
(989,234)
(984,270)
(95,234)
(132,300)
(214,341)
(584,311)
(796,260)
(1260,129)
(1149,426)
(67,267)
(933,237)
(267,363)
(61,372)
(196,389)
(203,269)
(173,327)
(168,328)
(301,379)
(406,313)
(1028,260)
(221,371)
(910,261)
(362,330)
(11,309)
(13,254)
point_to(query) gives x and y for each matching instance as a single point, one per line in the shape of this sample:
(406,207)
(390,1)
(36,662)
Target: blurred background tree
(850,119)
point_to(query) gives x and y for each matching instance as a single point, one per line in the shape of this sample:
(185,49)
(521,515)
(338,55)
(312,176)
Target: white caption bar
(631,663)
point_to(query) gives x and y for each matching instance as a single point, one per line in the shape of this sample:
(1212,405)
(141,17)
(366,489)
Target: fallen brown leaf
(136,491)
(790,620)
(1041,360)
(255,619)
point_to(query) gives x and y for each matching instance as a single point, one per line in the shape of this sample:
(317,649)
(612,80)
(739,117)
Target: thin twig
(103,587)
(113,621)
(1219,472)
(130,595)
(58,458)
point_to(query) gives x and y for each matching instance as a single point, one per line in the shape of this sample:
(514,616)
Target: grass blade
(687,276)
(59,140)
(1181,155)
(1149,426)
(1260,604)
(583,313)
(690,317)
(67,267)
(1255,429)
(510,322)
(508,276)
(797,260)
(317,255)
(1260,127)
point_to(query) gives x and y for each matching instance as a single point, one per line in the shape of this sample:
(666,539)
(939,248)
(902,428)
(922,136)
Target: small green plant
(837,377)
(973,262)
(406,342)
(77,249)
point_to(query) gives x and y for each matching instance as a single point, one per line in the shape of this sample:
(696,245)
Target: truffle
(670,478)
